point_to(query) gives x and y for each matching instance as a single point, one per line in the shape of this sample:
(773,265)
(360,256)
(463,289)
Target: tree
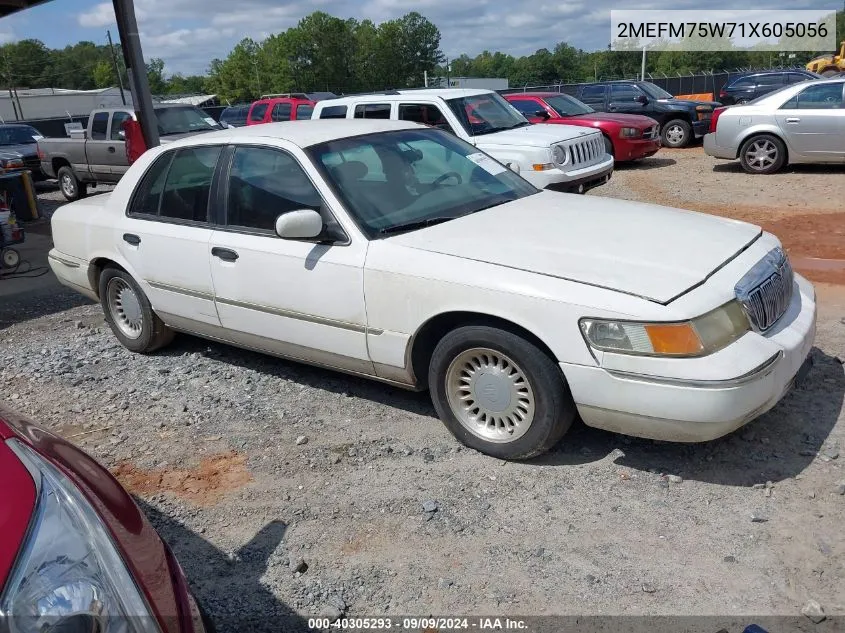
(155,76)
(103,75)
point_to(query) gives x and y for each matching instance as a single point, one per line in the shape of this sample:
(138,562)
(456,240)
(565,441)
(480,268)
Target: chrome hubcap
(67,185)
(490,395)
(125,308)
(675,134)
(761,154)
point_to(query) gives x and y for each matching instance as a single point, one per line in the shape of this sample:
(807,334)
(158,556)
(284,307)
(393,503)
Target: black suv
(680,120)
(748,87)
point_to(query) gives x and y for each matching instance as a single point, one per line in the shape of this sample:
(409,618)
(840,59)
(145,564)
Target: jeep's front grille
(766,290)
(586,152)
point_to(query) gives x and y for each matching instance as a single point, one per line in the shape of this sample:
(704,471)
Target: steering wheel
(449,174)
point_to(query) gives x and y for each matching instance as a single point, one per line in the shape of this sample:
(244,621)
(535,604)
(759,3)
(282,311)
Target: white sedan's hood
(540,135)
(646,250)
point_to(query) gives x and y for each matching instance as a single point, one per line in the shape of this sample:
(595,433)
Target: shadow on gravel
(733,167)
(27,305)
(230,589)
(326,379)
(777,446)
(645,164)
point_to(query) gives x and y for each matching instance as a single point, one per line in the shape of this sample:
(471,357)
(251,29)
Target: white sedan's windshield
(405,180)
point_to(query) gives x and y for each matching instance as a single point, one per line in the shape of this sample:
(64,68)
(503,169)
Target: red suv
(626,136)
(284,107)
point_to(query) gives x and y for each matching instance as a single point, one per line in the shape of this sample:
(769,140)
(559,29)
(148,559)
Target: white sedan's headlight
(69,576)
(698,337)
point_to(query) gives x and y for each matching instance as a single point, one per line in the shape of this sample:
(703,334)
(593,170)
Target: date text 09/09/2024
(418,624)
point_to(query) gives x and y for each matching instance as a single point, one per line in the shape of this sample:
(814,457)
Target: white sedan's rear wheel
(499,393)
(129,313)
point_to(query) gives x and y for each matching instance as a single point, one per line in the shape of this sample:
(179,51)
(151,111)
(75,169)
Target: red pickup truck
(626,136)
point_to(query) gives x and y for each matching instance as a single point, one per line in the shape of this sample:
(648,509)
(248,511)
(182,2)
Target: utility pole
(642,73)
(116,68)
(9,84)
(133,57)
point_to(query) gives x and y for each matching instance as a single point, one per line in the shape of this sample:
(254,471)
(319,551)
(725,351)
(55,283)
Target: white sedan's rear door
(165,236)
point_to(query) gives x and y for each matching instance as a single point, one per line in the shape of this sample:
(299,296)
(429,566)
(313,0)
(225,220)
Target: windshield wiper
(416,224)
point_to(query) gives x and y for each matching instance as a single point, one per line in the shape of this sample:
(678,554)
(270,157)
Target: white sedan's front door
(300,299)
(165,236)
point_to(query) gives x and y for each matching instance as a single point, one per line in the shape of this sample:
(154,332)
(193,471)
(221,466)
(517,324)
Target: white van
(562,157)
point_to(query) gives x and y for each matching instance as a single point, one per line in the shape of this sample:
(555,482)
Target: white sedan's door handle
(793,119)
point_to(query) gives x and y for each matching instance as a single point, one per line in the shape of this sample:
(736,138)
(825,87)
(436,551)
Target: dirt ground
(804,205)
(287,491)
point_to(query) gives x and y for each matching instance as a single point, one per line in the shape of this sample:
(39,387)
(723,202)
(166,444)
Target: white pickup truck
(566,158)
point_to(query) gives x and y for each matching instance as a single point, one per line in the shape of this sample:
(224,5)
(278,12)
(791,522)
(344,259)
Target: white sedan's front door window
(299,298)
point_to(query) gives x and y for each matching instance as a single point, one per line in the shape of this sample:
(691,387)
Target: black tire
(152,333)
(742,102)
(608,145)
(676,133)
(72,189)
(553,407)
(771,149)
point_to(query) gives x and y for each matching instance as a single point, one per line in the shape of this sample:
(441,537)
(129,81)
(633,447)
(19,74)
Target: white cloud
(7,36)
(100,15)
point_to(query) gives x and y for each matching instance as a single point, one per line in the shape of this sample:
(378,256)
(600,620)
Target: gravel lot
(287,491)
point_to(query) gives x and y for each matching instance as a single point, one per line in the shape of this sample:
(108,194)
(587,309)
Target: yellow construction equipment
(829,65)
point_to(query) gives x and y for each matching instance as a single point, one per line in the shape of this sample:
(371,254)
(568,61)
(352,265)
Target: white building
(47,103)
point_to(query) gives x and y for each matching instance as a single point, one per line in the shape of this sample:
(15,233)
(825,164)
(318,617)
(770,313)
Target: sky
(188,34)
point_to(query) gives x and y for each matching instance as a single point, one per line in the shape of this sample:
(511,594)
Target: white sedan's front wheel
(499,393)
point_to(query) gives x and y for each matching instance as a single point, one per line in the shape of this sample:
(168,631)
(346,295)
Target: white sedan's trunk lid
(646,250)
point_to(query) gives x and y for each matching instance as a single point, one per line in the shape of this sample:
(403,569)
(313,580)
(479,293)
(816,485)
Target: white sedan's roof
(302,133)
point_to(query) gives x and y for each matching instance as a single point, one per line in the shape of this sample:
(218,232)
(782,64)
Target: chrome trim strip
(757,373)
(197,294)
(282,349)
(301,316)
(62,260)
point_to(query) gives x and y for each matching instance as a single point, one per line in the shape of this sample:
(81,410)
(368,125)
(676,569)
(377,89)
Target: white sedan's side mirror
(300,224)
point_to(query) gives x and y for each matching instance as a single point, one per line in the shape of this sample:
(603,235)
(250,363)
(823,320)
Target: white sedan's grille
(766,291)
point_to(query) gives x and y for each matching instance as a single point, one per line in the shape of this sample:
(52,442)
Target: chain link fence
(679,84)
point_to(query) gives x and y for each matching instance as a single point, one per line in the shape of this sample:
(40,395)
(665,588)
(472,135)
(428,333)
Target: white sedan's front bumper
(691,410)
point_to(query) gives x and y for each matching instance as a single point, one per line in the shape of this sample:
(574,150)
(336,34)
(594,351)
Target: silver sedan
(802,123)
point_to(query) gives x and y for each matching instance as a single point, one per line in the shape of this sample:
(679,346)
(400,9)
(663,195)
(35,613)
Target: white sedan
(399,252)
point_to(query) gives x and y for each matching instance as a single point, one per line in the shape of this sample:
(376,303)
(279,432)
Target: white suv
(563,157)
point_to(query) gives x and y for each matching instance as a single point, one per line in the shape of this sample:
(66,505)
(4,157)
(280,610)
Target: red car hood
(16,506)
(596,119)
